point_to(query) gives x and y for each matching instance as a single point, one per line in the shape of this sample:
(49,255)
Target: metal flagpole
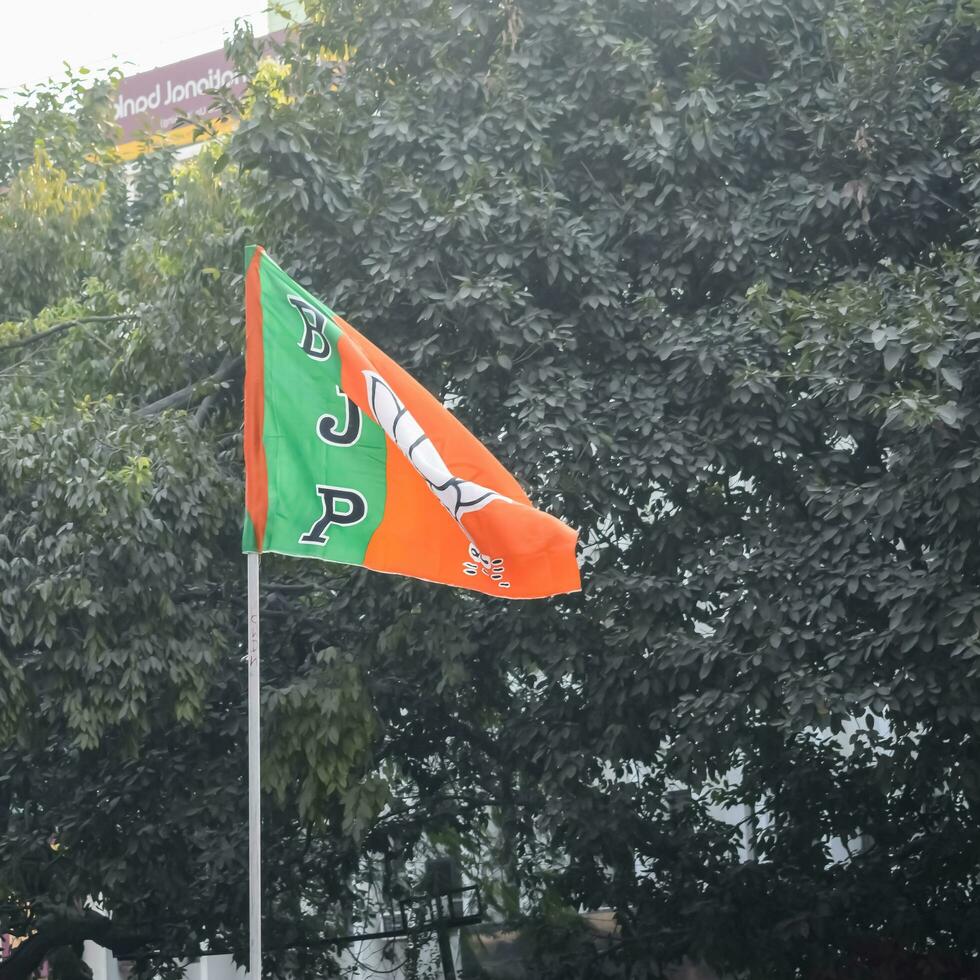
(254,801)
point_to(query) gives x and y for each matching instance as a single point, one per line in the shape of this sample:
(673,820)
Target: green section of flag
(310,478)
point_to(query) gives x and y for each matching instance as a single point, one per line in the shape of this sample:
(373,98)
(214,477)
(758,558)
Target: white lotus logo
(458,496)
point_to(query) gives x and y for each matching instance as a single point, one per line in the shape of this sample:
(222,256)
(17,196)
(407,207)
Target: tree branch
(204,408)
(229,367)
(63,929)
(36,338)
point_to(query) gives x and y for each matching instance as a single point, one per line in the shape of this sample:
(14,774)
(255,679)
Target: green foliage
(705,276)
(320,725)
(121,721)
(697,271)
(48,227)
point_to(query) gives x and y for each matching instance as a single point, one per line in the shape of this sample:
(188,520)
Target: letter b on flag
(314,343)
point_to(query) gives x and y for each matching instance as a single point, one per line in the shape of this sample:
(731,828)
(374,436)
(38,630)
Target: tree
(703,276)
(622,231)
(120,711)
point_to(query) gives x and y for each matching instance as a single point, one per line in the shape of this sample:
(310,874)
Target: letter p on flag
(349,459)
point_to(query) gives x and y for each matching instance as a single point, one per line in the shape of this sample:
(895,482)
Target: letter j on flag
(349,459)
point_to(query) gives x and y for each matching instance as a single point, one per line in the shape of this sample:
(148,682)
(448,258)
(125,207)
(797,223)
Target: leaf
(949,413)
(952,377)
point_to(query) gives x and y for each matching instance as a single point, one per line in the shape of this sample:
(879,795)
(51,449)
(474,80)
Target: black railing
(456,907)
(422,913)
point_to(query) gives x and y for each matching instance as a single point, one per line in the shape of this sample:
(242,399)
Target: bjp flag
(349,459)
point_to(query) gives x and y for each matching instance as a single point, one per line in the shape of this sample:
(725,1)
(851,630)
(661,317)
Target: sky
(37,38)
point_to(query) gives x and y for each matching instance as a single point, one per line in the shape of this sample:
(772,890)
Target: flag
(349,459)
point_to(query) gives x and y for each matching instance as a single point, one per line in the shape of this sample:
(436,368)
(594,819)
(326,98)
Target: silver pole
(254,769)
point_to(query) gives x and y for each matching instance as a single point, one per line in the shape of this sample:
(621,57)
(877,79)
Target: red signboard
(153,100)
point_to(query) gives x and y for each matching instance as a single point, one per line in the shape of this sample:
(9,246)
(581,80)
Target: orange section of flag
(256,471)
(465,455)
(519,552)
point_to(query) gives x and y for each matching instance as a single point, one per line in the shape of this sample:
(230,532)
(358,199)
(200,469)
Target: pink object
(151,101)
